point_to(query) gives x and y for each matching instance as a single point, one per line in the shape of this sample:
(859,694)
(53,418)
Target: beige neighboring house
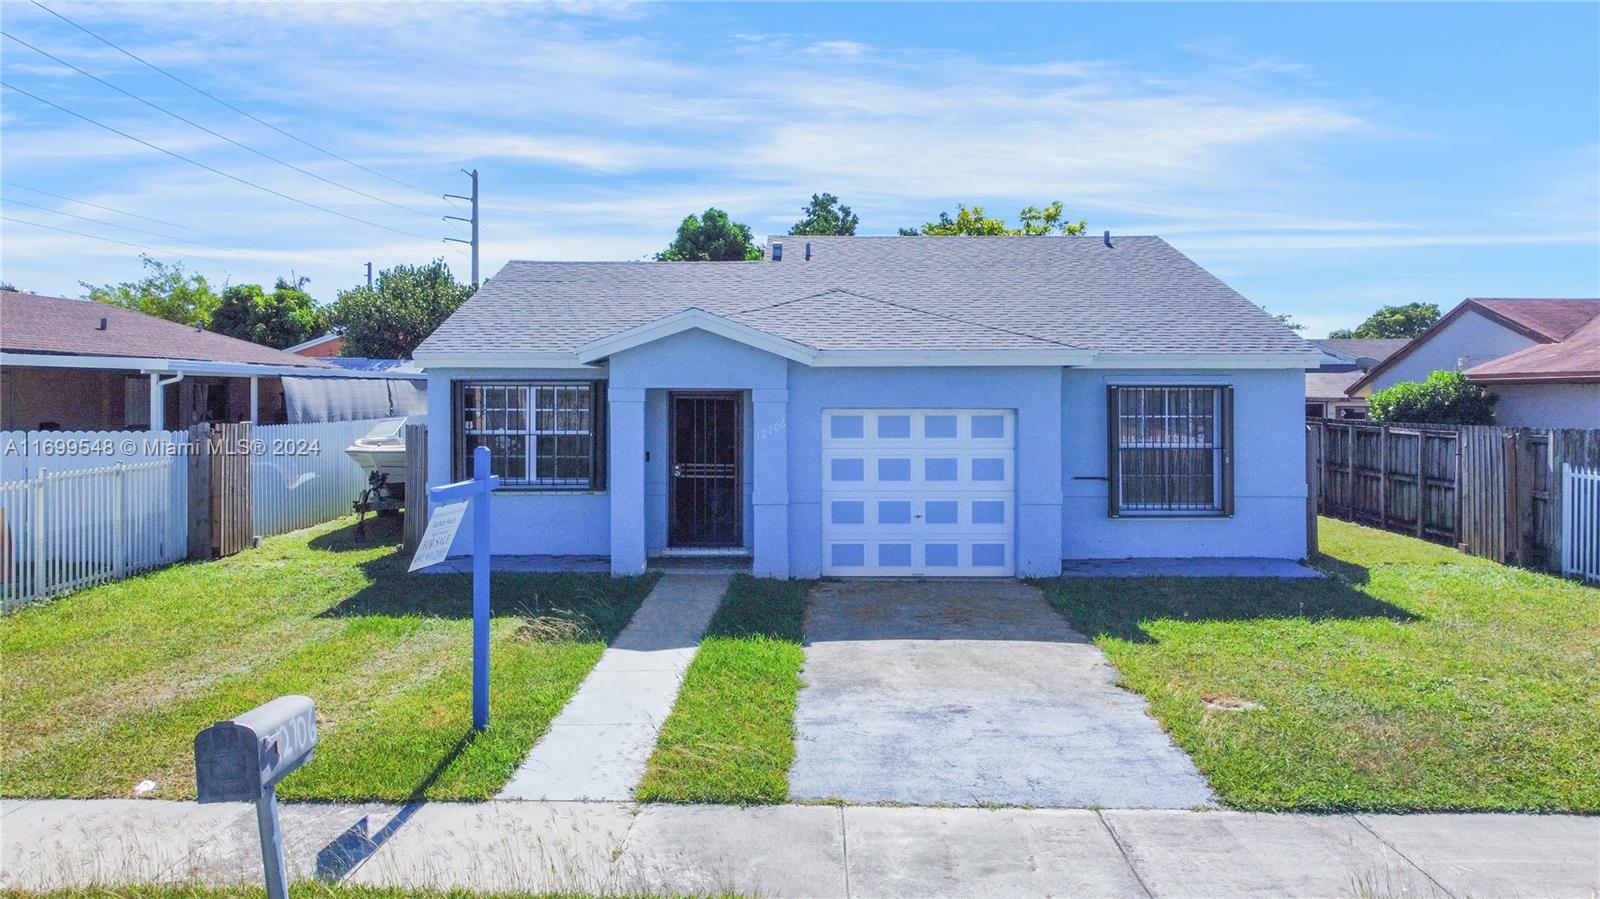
(1551,385)
(1344,362)
(1537,355)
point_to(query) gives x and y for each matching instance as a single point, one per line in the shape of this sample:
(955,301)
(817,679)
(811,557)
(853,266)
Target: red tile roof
(1576,358)
(30,323)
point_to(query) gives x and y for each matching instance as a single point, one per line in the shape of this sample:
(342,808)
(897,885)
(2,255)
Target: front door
(704,490)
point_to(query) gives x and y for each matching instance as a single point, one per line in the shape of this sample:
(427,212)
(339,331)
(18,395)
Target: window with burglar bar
(1170,450)
(538,434)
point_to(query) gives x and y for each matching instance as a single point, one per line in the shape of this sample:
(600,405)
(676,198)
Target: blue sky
(1323,159)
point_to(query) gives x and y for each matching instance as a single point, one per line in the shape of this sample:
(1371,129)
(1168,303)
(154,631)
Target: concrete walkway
(597,747)
(814,851)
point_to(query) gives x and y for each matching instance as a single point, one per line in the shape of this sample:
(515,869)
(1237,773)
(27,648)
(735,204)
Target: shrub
(1445,398)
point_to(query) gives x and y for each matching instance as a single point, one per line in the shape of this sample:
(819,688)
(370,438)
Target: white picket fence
(82,508)
(1580,522)
(66,530)
(301,475)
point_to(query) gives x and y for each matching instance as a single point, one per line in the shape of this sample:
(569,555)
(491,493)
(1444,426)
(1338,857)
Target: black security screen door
(705,494)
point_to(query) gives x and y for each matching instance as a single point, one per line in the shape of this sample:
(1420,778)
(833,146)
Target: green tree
(825,215)
(971,222)
(166,291)
(286,316)
(711,237)
(1408,320)
(1287,320)
(1446,397)
(404,305)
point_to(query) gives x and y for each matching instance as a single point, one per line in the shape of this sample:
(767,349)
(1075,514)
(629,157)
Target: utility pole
(473,221)
(369,276)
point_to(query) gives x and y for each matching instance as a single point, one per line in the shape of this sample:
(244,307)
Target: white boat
(383,449)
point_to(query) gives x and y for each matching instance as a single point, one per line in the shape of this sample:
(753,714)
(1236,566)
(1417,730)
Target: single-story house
(1343,362)
(878,406)
(1482,331)
(77,365)
(1548,385)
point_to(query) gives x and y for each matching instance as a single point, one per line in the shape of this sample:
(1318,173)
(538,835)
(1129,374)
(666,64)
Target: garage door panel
(918,491)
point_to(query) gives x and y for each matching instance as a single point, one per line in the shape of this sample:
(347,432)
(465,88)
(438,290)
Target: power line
(137,246)
(136,215)
(131,55)
(216,171)
(93,221)
(216,134)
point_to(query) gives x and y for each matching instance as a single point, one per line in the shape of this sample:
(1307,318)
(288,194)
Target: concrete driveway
(967,693)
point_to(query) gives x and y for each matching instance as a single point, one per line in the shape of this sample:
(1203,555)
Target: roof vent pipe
(777,251)
(102,325)
(808,251)
(1108,238)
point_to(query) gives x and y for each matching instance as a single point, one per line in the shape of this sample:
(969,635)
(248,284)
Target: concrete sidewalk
(597,747)
(816,851)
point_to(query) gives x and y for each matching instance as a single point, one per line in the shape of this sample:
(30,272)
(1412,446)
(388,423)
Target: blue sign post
(476,492)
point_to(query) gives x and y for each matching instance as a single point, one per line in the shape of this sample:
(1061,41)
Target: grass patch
(730,737)
(302,889)
(143,664)
(1415,679)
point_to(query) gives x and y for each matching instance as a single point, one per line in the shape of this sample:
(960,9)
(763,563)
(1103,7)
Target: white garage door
(918,491)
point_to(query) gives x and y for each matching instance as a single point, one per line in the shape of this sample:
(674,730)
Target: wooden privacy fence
(1490,491)
(416,485)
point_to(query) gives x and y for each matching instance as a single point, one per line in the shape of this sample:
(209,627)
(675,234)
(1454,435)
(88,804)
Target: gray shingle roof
(887,293)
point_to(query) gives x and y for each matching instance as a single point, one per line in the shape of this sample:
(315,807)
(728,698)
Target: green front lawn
(1417,678)
(730,737)
(106,688)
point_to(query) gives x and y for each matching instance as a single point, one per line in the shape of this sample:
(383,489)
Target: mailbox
(242,759)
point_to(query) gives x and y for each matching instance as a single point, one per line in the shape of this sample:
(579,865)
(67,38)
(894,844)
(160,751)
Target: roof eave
(149,365)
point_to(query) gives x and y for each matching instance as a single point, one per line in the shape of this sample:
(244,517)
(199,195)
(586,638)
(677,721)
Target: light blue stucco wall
(639,381)
(525,522)
(1060,440)
(1269,481)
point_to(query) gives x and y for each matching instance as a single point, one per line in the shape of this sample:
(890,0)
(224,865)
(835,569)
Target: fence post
(416,508)
(1313,488)
(199,450)
(38,532)
(118,489)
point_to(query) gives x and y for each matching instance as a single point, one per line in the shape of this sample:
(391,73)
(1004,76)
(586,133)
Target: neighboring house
(78,365)
(1475,332)
(1548,385)
(319,347)
(1344,361)
(878,406)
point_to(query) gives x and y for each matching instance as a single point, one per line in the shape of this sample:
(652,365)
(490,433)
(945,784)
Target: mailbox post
(243,760)
(476,492)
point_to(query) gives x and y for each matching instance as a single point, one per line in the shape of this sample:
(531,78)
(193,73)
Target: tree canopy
(1408,320)
(1446,397)
(166,291)
(825,215)
(286,316)
(404,305)
(970,221)
(711,237)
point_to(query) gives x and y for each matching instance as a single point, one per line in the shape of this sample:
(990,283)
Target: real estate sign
(441,532)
